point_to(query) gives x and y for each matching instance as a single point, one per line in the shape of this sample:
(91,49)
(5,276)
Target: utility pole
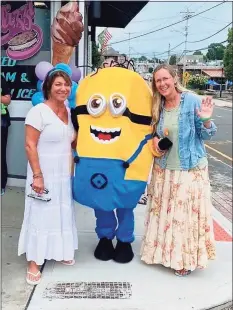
(129,34)
(130,48)
(168,58)
(154,60)
(129,45)
(187,15)
(222,83)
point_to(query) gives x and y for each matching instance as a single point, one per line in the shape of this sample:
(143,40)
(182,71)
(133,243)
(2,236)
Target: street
(223,138)
(220,161)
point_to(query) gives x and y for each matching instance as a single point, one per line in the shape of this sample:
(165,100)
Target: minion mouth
(105,135)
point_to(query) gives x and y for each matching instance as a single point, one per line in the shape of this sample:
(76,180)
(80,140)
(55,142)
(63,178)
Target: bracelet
(205,119)
(37,175)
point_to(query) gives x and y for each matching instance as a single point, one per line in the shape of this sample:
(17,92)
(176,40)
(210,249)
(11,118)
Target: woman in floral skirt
(179,230)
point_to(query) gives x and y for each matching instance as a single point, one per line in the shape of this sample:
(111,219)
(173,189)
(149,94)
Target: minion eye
(96,105)
(117,104)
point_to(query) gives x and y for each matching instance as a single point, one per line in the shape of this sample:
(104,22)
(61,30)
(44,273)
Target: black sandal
(182,272)
(143,200)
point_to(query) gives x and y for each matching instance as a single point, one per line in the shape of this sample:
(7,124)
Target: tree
(96,56)
(156,60)
(172,60)
(215,51)
(228,57)
(197,53)
(150,70)
(142,58)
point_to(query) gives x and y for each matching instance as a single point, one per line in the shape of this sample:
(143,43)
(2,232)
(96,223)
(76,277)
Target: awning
(214,73)
(115,14)
(211,82)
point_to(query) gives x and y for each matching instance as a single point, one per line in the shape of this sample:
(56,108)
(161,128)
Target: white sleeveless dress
(49,228)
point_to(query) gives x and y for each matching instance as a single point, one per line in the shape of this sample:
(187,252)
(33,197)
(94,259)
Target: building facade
(34,20)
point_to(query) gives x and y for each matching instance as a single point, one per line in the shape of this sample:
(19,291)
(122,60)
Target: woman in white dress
(49,228)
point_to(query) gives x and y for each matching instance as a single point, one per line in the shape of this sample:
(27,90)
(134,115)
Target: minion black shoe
(104,250)
(123,252)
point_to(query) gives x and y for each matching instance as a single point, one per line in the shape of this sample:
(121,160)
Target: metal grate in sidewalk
(88,290)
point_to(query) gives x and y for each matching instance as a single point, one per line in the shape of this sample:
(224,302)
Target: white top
(55,138)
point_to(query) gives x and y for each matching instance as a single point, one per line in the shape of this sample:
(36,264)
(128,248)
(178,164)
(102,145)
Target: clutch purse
(37,196)
(165,144)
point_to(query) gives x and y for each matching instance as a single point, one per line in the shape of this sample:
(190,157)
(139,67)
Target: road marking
(220,142)
(220,153)
(216,159)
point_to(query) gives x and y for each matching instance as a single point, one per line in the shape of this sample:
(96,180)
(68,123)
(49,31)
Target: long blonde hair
(157,98)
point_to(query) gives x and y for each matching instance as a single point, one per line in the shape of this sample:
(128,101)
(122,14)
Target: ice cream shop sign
(24,38)
(22,79)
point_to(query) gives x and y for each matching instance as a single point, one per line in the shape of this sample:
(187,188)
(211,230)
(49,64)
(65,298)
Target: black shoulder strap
(74,119)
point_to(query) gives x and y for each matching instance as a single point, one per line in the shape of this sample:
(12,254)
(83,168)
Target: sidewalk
(221,103)
(92,284)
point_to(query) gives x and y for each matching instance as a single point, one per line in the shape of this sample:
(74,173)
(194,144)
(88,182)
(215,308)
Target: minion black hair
(114,63)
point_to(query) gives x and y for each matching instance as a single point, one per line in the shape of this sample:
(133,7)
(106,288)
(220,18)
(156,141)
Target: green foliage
(200,92)
(228,57)
(197,82)
(197,53)
(215,51)
(172,60)
(96,56)
(155,59)
(142,58)
(150,70)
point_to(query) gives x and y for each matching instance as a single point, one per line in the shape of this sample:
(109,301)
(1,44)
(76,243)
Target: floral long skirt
(178,226)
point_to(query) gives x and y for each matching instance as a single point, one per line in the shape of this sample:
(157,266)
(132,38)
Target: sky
(159,14)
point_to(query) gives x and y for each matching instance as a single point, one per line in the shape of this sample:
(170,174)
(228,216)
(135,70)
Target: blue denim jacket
(192,132)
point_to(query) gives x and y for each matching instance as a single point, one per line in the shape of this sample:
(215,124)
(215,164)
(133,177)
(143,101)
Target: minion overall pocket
(100,183)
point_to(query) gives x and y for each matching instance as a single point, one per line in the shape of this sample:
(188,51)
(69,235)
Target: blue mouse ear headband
(61,67)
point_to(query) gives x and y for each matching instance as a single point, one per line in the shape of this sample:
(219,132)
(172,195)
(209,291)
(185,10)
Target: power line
(173,48)
(147,20)
(211,35)
(205,48)
(216,21)
(180,21)
(188,51)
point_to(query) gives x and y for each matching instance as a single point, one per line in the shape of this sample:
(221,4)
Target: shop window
(25,41)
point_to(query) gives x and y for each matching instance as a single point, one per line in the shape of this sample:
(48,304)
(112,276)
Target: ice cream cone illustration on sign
(66,32)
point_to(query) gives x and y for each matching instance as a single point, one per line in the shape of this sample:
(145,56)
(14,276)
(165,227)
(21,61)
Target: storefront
(21,22)
(25,30)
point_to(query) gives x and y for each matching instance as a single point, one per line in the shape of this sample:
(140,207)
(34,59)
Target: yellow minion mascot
(113,155)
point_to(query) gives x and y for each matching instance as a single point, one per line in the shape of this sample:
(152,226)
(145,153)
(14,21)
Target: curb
(222,221)
(223,104)
(225,306)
